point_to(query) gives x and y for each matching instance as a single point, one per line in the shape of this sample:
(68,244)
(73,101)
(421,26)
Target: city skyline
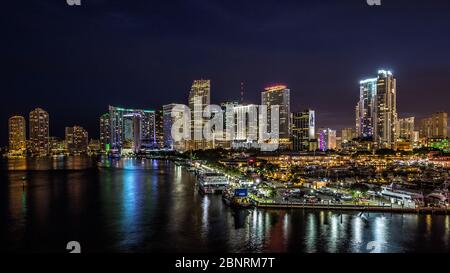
(78,69)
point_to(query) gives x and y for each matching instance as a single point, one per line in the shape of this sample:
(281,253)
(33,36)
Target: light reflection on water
(149,206)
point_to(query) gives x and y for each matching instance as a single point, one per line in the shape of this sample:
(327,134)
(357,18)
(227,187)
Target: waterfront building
(199,98)
(326,139)
(405,129)
(366,108)
(17,136)
(303,130)
(39,133)
(279,95)
(105,132)
(169,118)
(94,147)
(377,110)
(386,110)
(434,126)
(159,124)
(76,140)
(57,146)
(245,126)
(229,125)
(132,130)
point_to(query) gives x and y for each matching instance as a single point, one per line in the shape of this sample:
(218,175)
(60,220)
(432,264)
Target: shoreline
(380,209)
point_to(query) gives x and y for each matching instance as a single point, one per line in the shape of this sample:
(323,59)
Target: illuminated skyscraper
(358,120)
(366,108)
(405,129)
(131,129)
(77,140)
(39,132)
(105,132)
(377,110)
(17,135)
(199,98)
(168,120)
(159,125)
(303,130)
(246,126)
(279,96)
(385,134)
(326,139)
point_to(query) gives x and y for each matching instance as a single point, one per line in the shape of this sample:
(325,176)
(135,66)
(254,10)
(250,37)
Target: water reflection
(154,206)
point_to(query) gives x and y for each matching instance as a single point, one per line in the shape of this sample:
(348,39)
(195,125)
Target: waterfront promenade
(360,208)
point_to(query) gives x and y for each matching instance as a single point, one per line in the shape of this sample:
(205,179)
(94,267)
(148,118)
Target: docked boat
(212,183)
(403,195)
(236,199)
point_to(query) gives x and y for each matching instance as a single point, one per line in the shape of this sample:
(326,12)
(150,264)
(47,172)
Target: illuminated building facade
(105,133)
(434,126)
(348,134)
(17,135)
(168,120)
(77,140)
(279,96)
(385,124)
(245,126)
(406,129)
(303,130)
(199,98)
(131,129)
(365,111)
(159,125)
(376,110)
(326,139)
(39,133)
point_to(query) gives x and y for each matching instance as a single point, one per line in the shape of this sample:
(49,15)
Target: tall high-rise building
(199,98)
(385,134)
(434,126)
(131,129)
(105,132)
(326,139)
(347,135)
(246,126)
(17,135)
(170,116)
(39,132)
(405,129)
(303,130)
(367,107)
(279,96)
(377,110)
(358,120)
(77,140)
(159,124)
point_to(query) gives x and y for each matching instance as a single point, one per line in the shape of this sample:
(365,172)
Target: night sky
(75,61)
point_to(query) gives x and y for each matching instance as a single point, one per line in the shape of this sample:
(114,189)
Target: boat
(212,182)
(241,202)
(400,194)
(441,196)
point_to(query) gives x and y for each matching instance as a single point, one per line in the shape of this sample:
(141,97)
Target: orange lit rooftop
(275,88)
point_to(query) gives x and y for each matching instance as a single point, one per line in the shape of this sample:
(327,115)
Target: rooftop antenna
(242,92)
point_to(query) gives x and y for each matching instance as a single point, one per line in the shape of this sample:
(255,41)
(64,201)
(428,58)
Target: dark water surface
(153,206)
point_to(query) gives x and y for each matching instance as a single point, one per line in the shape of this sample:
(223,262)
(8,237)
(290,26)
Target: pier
(365,208)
